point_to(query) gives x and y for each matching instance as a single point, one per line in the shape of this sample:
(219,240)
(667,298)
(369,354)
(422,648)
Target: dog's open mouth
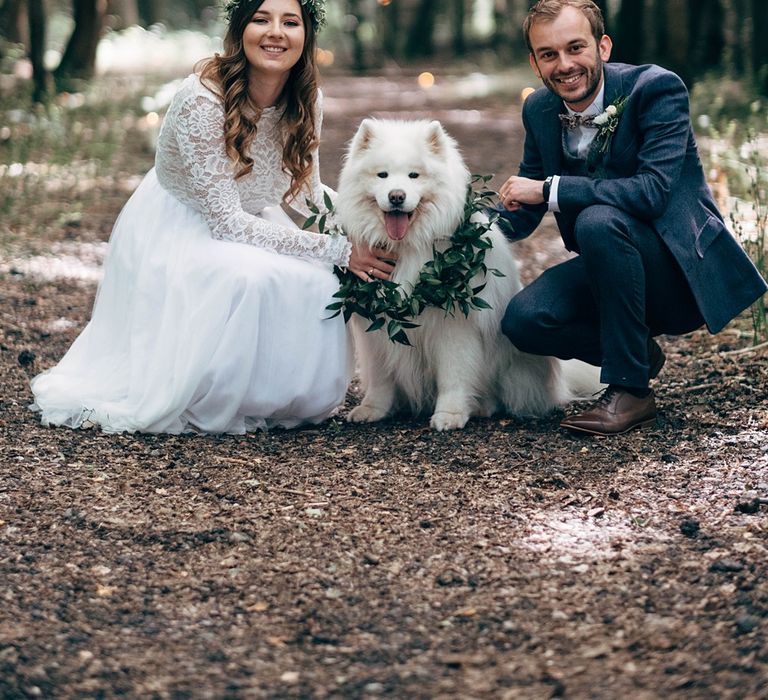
(397,223)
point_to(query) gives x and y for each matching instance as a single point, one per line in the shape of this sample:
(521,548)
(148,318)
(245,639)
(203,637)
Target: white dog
(403,187)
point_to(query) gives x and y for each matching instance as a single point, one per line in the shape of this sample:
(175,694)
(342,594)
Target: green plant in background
(66,155)
(734,147)
(750,221)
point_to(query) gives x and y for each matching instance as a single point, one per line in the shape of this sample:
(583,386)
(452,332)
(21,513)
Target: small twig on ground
(234,460)
(697,387)
(293,492)
(744,351)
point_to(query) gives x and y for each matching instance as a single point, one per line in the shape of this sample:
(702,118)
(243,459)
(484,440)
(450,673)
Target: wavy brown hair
(548,10)
(227,75)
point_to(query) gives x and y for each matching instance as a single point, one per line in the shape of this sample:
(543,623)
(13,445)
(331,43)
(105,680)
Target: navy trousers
(604,305)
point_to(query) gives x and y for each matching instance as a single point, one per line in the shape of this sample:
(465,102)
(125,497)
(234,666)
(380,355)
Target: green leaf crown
(316,9)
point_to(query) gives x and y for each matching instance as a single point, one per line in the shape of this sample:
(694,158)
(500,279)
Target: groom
(630,198)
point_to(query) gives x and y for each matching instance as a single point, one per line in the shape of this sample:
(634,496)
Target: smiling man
(609,149)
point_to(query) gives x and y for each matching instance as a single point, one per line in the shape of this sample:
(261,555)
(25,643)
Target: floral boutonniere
(607,122)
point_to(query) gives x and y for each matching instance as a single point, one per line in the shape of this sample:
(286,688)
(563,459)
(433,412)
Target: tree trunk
(502,28)
(603,5)
(195,9)
(737,53)
(12,20)
(760,45)
(147,15)
(420,42)
(678,39)
(40,77)
(358,47)
(458,20)
(630,32)
(79,59)
(389,21)
(122,13)
(152,11)
(656,37)
(671,27)
(518,9)
(706,31)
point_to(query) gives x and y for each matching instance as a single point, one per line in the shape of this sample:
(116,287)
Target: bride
(211,313)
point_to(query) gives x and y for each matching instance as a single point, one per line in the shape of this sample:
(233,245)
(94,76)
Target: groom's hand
(517,191)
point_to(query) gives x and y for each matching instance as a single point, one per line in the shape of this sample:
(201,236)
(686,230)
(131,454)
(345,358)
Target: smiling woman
(211,294)
(272,42)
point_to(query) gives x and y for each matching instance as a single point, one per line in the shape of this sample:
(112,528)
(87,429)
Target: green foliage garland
(445,282)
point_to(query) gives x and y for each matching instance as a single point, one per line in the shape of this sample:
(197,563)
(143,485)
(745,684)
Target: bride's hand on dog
(517,191)
(371,263)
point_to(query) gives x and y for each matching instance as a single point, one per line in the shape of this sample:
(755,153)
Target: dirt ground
(507,560)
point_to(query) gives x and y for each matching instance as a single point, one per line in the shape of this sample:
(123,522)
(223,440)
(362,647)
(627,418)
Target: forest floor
(506,560)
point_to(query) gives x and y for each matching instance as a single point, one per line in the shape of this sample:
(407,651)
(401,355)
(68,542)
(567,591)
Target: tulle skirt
(189,333)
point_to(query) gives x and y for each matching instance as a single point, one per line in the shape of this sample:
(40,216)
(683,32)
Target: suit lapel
(614,89)
(552,148)
(613,84)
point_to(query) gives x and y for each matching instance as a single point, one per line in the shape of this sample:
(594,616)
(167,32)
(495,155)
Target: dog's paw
(443,420)
(366,414)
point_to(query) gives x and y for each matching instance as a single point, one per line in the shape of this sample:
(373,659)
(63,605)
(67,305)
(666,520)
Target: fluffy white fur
(458,366)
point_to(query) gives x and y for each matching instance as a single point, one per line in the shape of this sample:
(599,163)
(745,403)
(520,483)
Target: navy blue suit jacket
(651,171)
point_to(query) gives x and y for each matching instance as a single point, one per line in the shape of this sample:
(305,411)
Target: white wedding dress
(211,313)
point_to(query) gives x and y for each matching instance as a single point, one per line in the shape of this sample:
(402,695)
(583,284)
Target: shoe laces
(606,396)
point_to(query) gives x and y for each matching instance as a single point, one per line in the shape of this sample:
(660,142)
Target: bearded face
(567,58)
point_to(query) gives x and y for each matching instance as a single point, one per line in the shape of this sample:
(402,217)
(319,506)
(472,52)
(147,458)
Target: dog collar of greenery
(316,9)
(445,282)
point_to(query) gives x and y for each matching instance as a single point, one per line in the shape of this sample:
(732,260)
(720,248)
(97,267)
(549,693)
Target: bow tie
(574,121)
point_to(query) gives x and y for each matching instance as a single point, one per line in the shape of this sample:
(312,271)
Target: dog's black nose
(397,197)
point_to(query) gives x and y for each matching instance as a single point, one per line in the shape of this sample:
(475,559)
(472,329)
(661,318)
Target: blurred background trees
(692,37)
(114,65)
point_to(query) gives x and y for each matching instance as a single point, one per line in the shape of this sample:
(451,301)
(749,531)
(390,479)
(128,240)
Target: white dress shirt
(578,141)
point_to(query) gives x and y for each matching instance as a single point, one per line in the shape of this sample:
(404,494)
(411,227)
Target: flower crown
(316,9)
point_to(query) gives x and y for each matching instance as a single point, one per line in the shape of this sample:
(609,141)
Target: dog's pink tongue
(397,224)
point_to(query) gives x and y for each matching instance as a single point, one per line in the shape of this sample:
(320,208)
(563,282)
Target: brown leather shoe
(615,412)
(656,358)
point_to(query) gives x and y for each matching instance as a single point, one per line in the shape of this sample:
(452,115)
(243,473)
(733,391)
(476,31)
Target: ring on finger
(370,272)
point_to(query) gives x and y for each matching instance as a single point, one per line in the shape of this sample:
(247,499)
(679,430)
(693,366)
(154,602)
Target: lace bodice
(192,164)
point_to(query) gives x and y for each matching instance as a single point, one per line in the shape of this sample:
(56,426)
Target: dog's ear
(362,139)
(437,138)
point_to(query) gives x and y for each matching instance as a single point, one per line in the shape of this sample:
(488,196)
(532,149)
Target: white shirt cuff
(552,204)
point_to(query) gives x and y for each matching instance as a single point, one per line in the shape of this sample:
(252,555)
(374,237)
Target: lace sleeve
(200,129)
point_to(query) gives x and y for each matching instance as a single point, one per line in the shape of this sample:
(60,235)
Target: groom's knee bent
(522,323)
(599,226)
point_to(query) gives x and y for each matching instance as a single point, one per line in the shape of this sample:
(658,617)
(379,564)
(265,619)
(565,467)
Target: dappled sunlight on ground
(756,436)
(571,538)
(61,324)
(67,260)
